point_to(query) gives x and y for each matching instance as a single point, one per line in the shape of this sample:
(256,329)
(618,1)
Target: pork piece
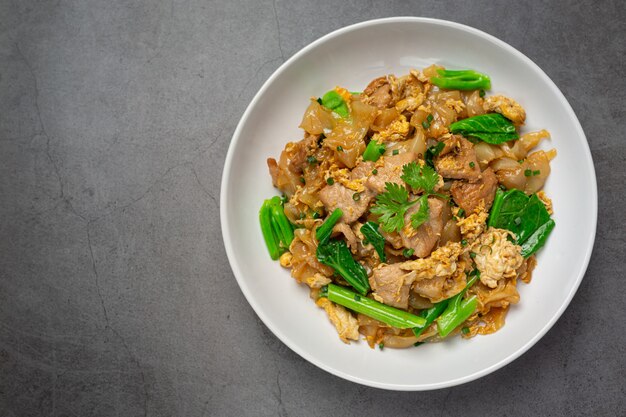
(424,239)
(337,196)
(378,93)
(390,171)
(391,285)
(362,170)
(350,237)
(457,160)
(478,195)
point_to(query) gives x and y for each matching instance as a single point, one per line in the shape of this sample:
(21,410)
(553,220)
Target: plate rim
(224,212)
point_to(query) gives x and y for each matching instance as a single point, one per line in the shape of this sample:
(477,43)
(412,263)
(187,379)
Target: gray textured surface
(115,294)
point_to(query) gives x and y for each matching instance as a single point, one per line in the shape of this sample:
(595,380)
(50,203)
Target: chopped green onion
(395,152)
(339,148)
(481,93)
(464,242)
(381,345)
(537,172)
(408,253)
(528,173)
(311,159)
(316,215)
(460,213)
(472,164)
(429,117)
(425,124)
(302,180)
(465,330)
(356,196)
(472,255)
(330,181)
(374,171)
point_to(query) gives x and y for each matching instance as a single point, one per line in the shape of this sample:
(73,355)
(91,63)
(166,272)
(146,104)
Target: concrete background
(116,298)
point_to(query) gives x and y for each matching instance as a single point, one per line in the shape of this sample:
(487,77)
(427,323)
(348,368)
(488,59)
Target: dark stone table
(116,297)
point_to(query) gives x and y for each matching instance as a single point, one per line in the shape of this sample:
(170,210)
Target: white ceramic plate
(351,57)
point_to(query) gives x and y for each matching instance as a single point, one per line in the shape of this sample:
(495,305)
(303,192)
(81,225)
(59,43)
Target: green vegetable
(527,217)
(335,253)
(395,152)
(371,308)
(492,128)
(392,205)
(430,315)
(333,101)
(432,152)
(419,177)
(330,181)
(422,214)
(373,236)
(461,80)
(323,232)
(373,151)
(407,253)
(458,309)
(275,226)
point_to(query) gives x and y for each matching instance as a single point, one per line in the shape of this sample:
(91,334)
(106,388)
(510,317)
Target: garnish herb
(395,152)
(335,253)
(311,159)
(425,124)
(528,173)
(373,236)
(420,178)
(391,206)
(525,216)
(461,80)
(407,253)
(374,171)
(330,181)
(339,148)
(492,128)
(422,214)
(373,151)
(371,308)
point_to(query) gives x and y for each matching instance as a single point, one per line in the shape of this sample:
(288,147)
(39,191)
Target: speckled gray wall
(116,298)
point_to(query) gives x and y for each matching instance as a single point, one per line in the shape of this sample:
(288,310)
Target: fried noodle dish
(411,209)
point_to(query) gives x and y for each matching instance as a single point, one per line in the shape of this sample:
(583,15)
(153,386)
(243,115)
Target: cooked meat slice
(390,171)
(393,238)
(440,288)
(378,93)
(424,239)
(496,257)
(391,285)
(478,195)
(362,170)
(349,235)
(457,160)
(337,196)
(508,107)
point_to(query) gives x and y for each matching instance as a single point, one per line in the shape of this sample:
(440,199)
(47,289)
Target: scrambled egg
(441,263)
(456,105)
(342,176)
(508,107)
(397,130)
(285,260)
(545,200)
(347,326)
(496,257)
(317,281)
(410,103)
(473,225)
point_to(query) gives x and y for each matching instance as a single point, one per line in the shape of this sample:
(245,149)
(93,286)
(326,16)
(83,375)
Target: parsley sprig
(392,204)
